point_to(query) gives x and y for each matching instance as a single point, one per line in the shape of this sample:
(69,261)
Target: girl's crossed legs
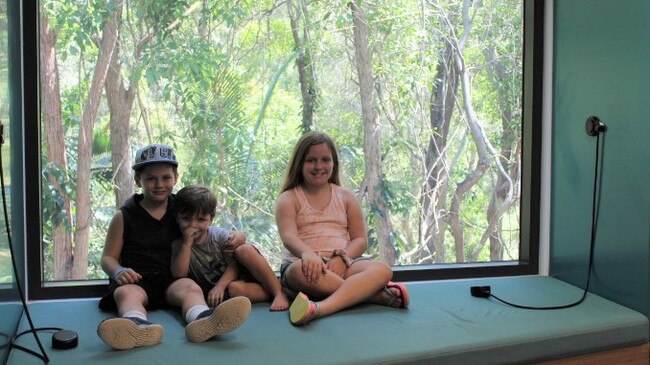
(364,281)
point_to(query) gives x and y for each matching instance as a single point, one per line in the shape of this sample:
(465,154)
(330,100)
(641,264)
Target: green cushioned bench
(444,325)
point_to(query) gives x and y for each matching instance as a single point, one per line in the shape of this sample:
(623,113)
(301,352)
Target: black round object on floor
(65,339)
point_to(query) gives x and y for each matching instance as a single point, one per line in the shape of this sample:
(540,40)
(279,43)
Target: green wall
(601,67)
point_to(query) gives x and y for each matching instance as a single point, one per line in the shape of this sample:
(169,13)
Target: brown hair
(194,199)
(293,176)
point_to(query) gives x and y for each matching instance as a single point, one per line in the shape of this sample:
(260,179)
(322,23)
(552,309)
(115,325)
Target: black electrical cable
(43,355)
(485,291)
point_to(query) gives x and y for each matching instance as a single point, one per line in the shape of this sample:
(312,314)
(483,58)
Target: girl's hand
(127,276)
(216,296)
(312,267)
(235,239)
(337,266)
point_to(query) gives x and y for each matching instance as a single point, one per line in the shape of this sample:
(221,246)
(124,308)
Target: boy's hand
(216,296)
(188,235)
(127,276)
(235,239)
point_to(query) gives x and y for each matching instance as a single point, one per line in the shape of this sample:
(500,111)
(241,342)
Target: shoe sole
(124,334)
(299,309)
(227,317)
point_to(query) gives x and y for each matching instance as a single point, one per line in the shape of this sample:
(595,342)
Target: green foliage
(53,197)
(218,81)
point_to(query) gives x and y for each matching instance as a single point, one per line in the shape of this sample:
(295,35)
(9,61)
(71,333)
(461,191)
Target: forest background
(422,97)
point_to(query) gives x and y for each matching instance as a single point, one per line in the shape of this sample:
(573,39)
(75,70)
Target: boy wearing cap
(137,257)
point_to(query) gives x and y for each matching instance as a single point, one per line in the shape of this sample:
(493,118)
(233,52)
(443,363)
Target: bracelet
(344,256)
(118,272)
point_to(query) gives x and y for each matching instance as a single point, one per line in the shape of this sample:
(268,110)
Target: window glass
(423,98)
(6,272)
(11,309)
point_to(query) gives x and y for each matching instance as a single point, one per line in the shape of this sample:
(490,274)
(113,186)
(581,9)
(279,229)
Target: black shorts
(154,284)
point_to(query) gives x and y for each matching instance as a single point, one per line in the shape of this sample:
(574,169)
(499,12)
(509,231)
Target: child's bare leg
(204,323)
(248,256)
(185,293)
(363,281)
(131,329)
(251,290)
(130,298)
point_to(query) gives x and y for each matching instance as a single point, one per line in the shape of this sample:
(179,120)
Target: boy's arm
(112,249)
(217,294)
(182,252)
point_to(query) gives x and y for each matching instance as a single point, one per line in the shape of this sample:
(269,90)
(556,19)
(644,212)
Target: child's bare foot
(394,295)
(280,302)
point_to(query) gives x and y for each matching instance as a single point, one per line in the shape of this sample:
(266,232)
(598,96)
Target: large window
(432,105)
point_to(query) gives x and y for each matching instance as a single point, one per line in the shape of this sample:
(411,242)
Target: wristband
(343,255)
(118,272)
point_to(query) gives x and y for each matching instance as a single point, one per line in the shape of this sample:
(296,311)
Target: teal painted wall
(601,67)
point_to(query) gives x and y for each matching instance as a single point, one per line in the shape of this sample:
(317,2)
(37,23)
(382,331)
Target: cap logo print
(156,153)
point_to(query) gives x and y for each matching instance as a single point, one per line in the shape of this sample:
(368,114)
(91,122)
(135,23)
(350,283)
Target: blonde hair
(293,176)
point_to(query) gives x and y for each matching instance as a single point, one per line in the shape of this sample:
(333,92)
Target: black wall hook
(593,126)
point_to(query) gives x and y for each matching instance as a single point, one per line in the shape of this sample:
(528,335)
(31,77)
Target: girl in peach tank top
(323,231)
(324,241)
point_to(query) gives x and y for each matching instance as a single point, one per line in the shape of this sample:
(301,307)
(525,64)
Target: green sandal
(302,310)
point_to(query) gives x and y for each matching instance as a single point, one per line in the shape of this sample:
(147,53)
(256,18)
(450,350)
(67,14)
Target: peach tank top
(323,231)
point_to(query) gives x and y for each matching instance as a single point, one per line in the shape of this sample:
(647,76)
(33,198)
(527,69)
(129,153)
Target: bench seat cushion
(444,325)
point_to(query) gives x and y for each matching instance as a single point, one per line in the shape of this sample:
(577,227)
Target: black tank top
(147,242)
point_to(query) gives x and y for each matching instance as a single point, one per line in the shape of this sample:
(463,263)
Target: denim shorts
(287,263)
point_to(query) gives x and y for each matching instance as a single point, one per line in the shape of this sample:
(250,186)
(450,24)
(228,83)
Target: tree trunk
(478,136)
(497,73)
(505,194)
(84,160)
(120,104)
(54,132)
(304,64)
(434,197)
(372,136)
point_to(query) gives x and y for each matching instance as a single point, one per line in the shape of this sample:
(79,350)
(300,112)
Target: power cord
(43,355)
(593,127)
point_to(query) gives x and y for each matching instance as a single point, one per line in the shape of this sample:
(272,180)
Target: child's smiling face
(157,181)
(318,165)
(195,226)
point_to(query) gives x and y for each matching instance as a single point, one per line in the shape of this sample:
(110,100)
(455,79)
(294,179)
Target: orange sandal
(302,310)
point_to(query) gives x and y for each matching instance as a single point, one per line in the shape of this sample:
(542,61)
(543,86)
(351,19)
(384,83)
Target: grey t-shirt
(208,261)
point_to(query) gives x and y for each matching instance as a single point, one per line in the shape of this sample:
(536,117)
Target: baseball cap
(154,153)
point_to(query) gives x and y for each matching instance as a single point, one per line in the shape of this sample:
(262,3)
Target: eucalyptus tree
(372,134)
(468,48)
(422,98)
(102,33)
(300,30)
(440,96)
(502,54)
(71,260)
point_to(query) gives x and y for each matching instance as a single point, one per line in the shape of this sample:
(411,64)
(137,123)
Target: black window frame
(528,264)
